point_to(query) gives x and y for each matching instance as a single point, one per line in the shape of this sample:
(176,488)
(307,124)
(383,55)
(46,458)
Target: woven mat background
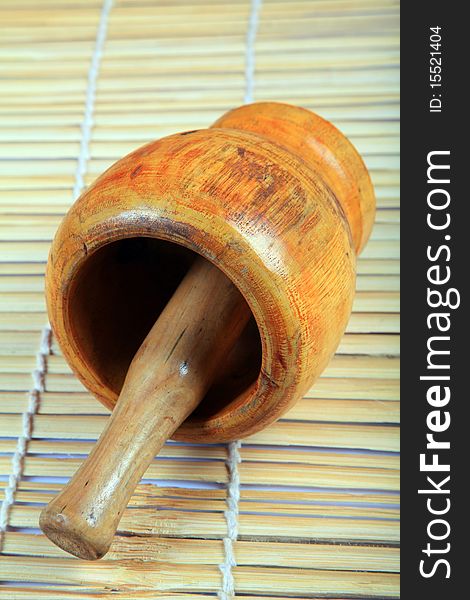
(318,511)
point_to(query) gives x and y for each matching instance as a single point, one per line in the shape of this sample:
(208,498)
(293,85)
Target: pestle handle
(168,377)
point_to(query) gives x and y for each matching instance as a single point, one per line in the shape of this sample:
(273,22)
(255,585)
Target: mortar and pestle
(197,289)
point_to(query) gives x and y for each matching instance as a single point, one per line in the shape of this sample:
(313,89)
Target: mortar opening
(116,298)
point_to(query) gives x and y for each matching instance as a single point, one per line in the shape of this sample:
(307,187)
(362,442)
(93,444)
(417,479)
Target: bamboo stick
(252,453)
(166,123)
(212,525)
(167,577)
(331,470)
(350,411)
(340,435)
(146,494)
(286,510)
(347,504)
(193,551)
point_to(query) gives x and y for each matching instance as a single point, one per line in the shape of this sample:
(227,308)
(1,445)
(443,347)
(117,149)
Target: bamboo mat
(318,507)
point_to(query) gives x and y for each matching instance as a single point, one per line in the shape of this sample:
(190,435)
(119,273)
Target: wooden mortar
(205,280)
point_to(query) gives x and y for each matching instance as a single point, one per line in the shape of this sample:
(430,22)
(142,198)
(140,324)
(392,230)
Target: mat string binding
(39,373)
(87,123)
(250,40)
(234,457)
(231,517)
(39,381)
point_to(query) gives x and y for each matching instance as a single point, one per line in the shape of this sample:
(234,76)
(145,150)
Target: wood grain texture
(324,148)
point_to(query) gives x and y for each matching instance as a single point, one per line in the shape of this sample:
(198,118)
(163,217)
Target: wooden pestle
(168,377)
